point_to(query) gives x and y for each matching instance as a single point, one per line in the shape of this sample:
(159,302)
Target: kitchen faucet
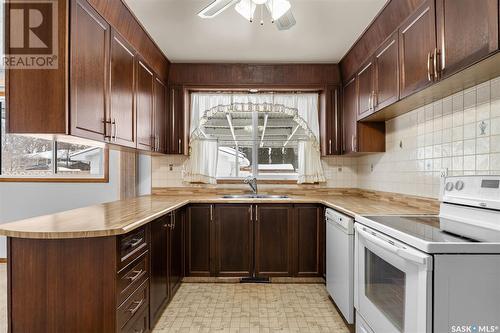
(252,182)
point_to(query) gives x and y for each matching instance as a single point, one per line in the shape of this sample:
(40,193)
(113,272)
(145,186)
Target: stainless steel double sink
(254,196)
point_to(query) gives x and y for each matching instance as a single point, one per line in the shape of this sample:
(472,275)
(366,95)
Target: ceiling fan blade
(286,21)
(215,8)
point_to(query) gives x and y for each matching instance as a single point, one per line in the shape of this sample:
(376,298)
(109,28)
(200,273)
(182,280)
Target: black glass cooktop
(423,227)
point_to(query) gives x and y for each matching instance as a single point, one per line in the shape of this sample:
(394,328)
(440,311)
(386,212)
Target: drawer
(134,305)
(131,246)
(138,324)
(131,277)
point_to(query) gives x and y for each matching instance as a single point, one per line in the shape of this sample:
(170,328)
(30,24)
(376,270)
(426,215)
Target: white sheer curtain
(202,165)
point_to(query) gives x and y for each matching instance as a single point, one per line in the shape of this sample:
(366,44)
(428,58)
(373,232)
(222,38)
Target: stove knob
(459,185)
(449,186)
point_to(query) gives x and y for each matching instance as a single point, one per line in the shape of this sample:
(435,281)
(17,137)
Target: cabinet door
(176,251)
(273,240)
(89,80)
(160,116)
(330,126)
(365,89)
(467,31)
(199,240)
(158,284)
(417,43)
(387,73)
(176,120)
(307,240)
(233,240)
(349,117)
(144,93)
(122,92)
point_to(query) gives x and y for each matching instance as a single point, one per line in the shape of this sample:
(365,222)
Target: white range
(432,273)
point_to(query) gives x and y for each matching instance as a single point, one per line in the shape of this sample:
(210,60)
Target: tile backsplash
(459,134)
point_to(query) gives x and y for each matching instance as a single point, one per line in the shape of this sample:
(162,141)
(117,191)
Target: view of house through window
(31,157)
(255,135)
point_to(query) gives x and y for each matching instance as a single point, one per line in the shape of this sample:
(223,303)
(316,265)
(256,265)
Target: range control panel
(477,191)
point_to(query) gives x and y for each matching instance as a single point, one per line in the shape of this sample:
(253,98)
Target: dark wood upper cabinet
(160,116)
(233,240)
(349,116)
(307,240)
(365,80)
(359,137)
(273,240)
(199,240)
(467,31)
(89,75)
(417,49)
(175,121)
(176,244)
(144,93)
(330,125)
(122,92)
(386,60)
(160,252)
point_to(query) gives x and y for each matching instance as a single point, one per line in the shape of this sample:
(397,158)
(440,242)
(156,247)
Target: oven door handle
(399,251)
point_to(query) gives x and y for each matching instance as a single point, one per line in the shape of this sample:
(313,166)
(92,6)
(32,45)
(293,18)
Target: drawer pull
(136,276)
(138,305)
(135,242)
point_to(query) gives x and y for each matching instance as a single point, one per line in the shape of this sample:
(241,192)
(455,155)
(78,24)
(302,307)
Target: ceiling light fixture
(279,10)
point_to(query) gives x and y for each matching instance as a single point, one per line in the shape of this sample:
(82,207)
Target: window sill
(259,181)
(53,180)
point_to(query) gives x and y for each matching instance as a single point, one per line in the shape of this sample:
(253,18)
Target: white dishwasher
(340,261)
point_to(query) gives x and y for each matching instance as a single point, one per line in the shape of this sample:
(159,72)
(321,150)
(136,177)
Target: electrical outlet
(171,167)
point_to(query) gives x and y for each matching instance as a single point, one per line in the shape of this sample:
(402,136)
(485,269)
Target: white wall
(24,200)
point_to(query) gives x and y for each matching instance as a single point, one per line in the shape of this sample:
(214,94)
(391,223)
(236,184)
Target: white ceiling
(324,32)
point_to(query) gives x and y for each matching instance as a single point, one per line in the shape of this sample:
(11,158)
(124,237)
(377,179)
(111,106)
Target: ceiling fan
(279,10)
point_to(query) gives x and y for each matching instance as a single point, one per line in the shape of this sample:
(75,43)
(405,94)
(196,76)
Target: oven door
(393,283)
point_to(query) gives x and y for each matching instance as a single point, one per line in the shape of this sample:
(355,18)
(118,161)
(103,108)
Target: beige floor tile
(238,308)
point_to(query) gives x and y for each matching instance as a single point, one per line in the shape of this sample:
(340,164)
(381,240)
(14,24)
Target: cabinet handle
(180,145)
(211,213)
(256,213)
(330,145)
(138,305)
(251,213)
(115,126)
(430,72)
(436,67)
(429,66)
(355,143)
(106,136)
(136,275)
(352,143)
(135,242)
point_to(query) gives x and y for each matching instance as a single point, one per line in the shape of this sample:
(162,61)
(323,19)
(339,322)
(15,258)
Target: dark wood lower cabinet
(273,240)
(233,240)
(159,287)
(199,240)
(264,240)
(176,250)
(308,241)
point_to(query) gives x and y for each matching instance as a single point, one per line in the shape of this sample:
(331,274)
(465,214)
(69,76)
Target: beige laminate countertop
(122,216)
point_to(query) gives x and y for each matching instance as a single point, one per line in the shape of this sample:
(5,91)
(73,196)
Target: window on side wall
(28,158)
